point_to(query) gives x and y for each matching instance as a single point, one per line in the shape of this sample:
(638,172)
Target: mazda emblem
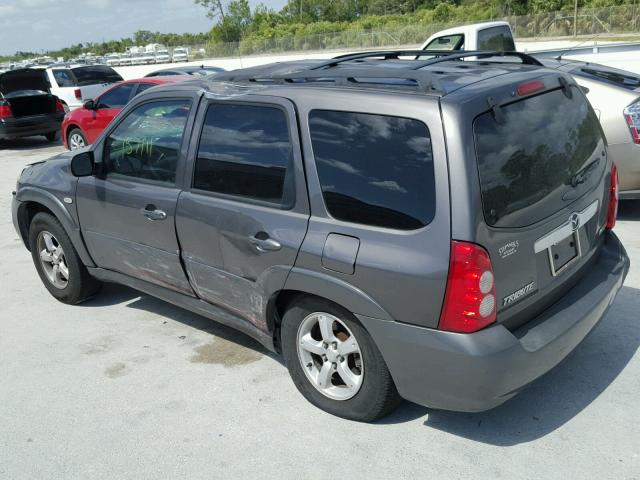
(574,219)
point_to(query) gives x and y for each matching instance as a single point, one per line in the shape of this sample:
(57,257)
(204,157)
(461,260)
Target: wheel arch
(35,200)
(302,282)
(70,127)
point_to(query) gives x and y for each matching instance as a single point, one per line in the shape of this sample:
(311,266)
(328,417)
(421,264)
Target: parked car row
(147,57)
(74,102)
(418,228)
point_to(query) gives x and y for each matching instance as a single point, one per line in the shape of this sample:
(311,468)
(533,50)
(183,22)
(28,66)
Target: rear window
(374,169)
(496,38)
(527,162)
(93,74)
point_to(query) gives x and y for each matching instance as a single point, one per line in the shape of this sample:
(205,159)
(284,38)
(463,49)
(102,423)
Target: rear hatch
(543,175)
(26,91)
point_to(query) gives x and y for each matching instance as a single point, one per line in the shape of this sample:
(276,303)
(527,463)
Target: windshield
(91,75)
(545,147)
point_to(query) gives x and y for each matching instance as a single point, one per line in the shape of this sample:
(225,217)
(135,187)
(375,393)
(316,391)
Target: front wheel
(57,262)
(76,139)
(334,362)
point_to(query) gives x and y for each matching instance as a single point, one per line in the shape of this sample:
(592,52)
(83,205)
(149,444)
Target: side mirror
(82,164)
(89,105)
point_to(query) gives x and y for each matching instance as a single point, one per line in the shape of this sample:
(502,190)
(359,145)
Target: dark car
(201,70)
(26,105)
(397,224)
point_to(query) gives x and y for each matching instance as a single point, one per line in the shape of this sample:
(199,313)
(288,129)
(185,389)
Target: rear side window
(375,170)
(448,42)
(527,162)
(496,38)
(94,74)
(64,78)
(245,151)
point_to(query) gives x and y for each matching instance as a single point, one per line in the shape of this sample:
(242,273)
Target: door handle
(263,243)
(152,213)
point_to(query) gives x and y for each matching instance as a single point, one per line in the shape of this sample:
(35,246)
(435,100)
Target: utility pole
(300,10)
(575,18)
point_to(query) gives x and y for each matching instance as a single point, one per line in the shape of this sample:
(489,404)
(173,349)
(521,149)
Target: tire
(375,395)
(52,136)
(76,139)
(45,231)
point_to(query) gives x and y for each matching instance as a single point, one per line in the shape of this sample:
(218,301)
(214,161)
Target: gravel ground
(128,387)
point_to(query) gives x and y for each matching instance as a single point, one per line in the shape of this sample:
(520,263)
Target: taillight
(78,93)
(59,106)
(470,299)
(612,212)
(632,116)
(5,111)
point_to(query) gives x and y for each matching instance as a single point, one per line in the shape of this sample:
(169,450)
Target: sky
(36,25)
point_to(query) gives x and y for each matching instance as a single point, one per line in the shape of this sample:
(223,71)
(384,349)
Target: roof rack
(422,80)
(366,74)
(441,56)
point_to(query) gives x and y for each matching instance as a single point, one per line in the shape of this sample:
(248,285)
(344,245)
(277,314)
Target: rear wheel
(52,136)
(76,139)
(57,262)
(334,362)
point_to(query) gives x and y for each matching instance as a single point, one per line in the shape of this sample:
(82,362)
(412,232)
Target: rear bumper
(479,371)
(32,125)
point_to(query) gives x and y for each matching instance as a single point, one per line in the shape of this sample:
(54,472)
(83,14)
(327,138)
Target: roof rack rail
(441,56)
(423,80)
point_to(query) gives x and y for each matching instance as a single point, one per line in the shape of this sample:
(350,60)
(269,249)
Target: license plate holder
(564,253)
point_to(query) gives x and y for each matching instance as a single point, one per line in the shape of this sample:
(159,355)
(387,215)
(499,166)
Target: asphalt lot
(128,387)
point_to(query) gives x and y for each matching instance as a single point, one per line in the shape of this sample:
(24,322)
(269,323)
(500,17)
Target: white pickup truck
(613,93)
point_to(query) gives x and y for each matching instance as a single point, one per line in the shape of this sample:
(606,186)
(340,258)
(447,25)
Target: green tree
(215,8)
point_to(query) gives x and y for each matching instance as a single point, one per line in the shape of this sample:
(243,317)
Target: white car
(125,59)
(113,59)
(74,84)
(180,55)
(162,56)
(148,58)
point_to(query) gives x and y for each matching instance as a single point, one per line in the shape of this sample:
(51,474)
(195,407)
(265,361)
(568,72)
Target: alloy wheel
(330,356)
(53,260)
(76,141)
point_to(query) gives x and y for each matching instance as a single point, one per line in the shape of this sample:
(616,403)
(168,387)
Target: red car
(82,126)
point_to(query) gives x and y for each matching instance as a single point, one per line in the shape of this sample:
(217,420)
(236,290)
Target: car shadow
(629,210)
(538,410)
(29,143)
(113,294)
(561,394)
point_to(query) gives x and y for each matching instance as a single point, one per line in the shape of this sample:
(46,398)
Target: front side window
(245,151)
(144,86)
(496,38)
(146,144)
(374,169)
(117,97)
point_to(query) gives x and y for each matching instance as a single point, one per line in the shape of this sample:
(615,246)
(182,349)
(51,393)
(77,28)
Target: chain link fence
(589,22)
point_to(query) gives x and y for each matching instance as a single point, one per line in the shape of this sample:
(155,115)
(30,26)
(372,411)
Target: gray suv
(396,224)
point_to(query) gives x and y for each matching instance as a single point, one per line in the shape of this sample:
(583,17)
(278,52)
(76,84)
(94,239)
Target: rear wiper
(581,175)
